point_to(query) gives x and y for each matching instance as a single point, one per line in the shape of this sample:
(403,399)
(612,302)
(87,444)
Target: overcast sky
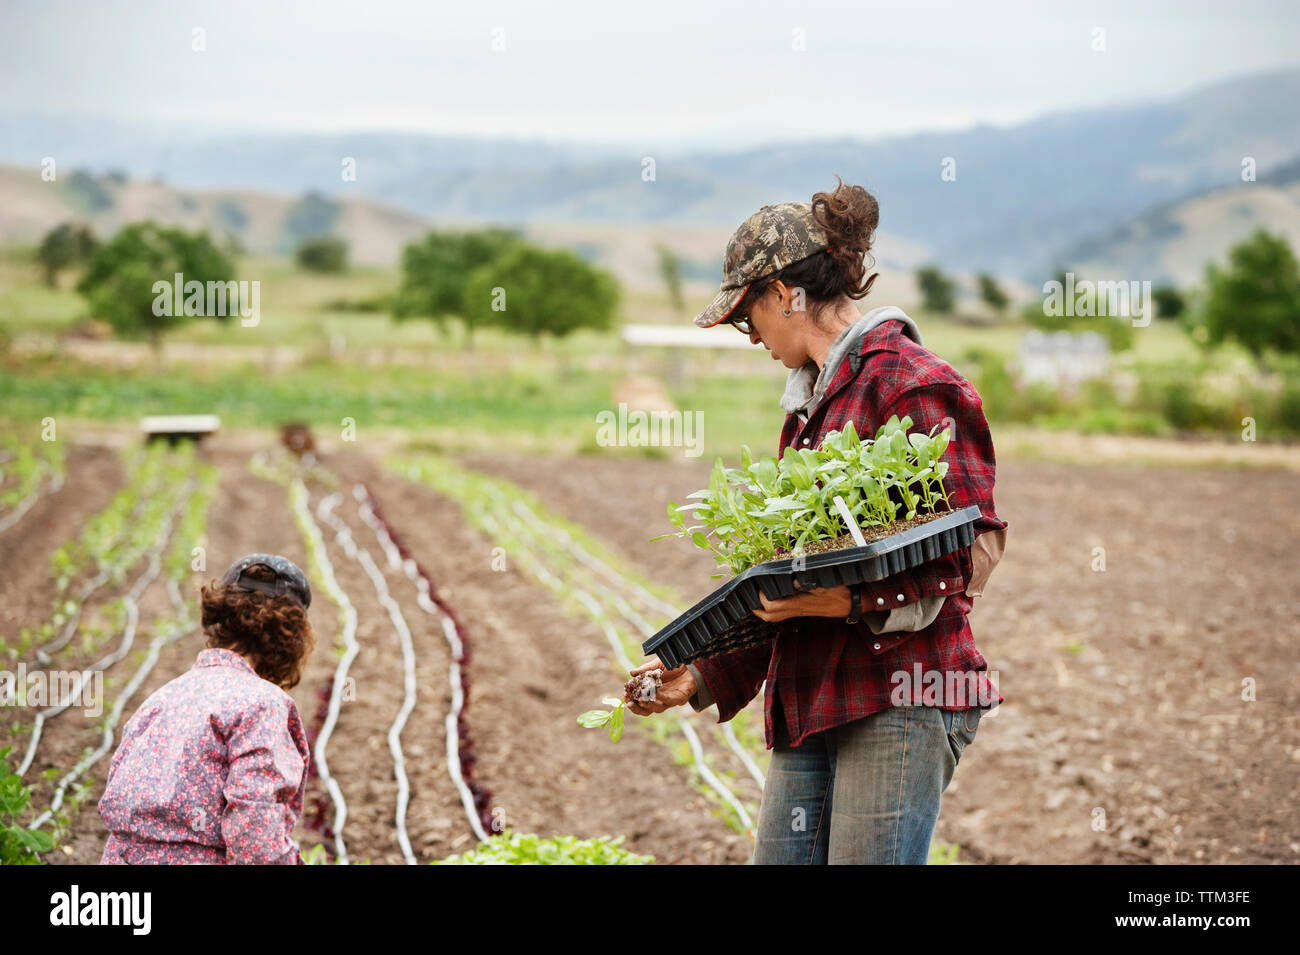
(673,74)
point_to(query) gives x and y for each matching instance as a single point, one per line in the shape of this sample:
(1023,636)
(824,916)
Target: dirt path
(1123,686)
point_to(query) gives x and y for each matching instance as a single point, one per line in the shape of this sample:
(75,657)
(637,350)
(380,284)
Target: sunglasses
(743,325)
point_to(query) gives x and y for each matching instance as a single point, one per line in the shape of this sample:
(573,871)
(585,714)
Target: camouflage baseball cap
(289,581)
(768,241)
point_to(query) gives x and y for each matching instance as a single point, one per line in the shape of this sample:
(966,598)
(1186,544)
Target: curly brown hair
(273,631)
(849,215)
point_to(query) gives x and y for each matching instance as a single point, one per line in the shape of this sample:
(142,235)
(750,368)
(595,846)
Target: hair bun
(849,216)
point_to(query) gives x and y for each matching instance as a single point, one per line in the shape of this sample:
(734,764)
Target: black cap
(289,581)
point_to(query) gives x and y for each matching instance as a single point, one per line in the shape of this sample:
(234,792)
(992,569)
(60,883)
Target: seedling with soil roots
(639,689)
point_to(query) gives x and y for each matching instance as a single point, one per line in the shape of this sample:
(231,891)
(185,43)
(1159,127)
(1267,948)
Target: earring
(785,312)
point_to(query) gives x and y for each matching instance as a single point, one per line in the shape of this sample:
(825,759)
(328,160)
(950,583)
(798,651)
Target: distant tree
(670,270)
(537,291)
(434,270)
(1255,300)
(64,246)
(992,294)
(327,254)
(936,289)
(312,216)
(1170,303)
(120,278)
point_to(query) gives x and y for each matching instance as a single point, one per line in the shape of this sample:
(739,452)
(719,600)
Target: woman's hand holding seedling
(651,690)
(675,688)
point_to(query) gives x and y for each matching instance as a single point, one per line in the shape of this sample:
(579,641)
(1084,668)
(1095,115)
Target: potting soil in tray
(724,620)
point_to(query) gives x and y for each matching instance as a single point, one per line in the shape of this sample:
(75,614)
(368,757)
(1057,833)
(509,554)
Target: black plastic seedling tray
(724,620)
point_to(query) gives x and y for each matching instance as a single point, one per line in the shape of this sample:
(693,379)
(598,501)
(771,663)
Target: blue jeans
(866,792)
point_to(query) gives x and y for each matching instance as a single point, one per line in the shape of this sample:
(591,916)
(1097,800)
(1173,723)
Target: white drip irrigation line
(109,734)
(362,556)
(22,507)
(687,729)
(45,651)
(298,498)
(131,601)
(639,622)
(18,510)
(454,642)
(43,655)
(620,652)
(646,598)
(735,745)
(728,731)
(451,724)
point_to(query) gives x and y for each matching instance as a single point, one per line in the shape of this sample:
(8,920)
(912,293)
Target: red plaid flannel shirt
(823,672)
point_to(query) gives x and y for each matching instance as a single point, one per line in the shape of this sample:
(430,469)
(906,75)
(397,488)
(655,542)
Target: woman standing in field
(213,766)
(861,752)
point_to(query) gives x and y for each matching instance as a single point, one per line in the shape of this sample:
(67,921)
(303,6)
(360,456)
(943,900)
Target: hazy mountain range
(1172,241)
(1089,185)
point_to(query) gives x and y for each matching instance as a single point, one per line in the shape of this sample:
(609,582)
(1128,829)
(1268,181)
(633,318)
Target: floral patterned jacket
(211,769)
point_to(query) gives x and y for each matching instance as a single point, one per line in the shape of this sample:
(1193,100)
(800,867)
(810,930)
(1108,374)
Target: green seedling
(18,844)
(769,507)
(510,848)
(612,718)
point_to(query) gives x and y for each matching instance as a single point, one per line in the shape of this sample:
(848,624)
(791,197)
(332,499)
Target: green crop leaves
(18,844)
(765,508)
(511,849)
(611,719)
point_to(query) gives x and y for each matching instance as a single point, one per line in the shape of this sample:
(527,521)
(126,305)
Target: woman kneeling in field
(213,766)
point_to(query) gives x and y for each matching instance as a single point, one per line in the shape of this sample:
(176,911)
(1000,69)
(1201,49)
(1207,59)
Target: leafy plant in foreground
(18,844)
(640,688)
(612,718)
(511,849)
(764,508)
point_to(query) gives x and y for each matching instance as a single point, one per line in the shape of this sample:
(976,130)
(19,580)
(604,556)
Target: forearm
(730,680)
